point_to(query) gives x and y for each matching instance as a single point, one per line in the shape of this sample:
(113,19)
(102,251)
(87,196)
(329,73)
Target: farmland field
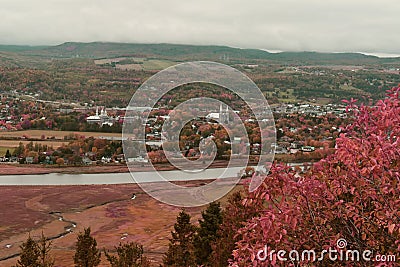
(10,144)
(155,64)
(132,63)
(55,142)
(57,134)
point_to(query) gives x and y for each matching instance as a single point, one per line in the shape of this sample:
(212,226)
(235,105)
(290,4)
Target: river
(116,178)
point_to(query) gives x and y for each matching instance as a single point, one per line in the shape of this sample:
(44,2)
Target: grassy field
(155,64)
(37,134)
(130,67)
(284,96)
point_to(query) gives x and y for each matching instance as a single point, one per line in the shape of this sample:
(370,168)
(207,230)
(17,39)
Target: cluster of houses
(294,148)
(11,159)
(90,159)
(311,109)
(87,159)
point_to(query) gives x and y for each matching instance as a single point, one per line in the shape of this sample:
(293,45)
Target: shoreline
(7,169)
(10,169)
(23,169)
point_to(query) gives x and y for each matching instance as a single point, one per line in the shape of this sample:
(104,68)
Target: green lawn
(156,64)
(284,96)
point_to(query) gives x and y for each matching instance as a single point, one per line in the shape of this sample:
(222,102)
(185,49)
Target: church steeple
(224,114)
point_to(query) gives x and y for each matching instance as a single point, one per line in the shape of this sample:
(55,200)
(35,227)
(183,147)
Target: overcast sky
(289,25)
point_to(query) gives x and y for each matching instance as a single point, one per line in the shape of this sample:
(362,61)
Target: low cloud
(290,25)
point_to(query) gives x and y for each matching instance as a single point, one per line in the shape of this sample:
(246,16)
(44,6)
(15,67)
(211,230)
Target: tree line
(87,254)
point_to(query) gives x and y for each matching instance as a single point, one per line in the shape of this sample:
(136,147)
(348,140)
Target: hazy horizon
(272,51)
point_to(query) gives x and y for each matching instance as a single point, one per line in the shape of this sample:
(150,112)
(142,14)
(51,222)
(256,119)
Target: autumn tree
(86,254)
(352,194)
(128,255)
(60,161)
(180,249)
(207,233)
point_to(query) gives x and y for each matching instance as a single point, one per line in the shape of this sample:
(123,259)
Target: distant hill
(105,50)
(20,48)
(329,58)
(179,52)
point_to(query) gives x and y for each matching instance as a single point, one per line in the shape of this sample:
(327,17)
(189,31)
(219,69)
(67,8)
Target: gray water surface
(116,178)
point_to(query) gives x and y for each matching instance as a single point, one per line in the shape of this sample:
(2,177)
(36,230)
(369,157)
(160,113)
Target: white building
(102,118)
(94,118)
(221,116)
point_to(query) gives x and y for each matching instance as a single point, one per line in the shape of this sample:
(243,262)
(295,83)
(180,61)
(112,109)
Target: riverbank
(22,169)
(33,169)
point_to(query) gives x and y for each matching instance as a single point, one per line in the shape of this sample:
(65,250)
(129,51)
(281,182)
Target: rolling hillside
(191,52)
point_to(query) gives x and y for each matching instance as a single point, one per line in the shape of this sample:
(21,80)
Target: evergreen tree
(29,254)
(8,154)
(44,250)
(19,150)
(128,255)
(235,215)
(207,233)
(87,254)
(180,250)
